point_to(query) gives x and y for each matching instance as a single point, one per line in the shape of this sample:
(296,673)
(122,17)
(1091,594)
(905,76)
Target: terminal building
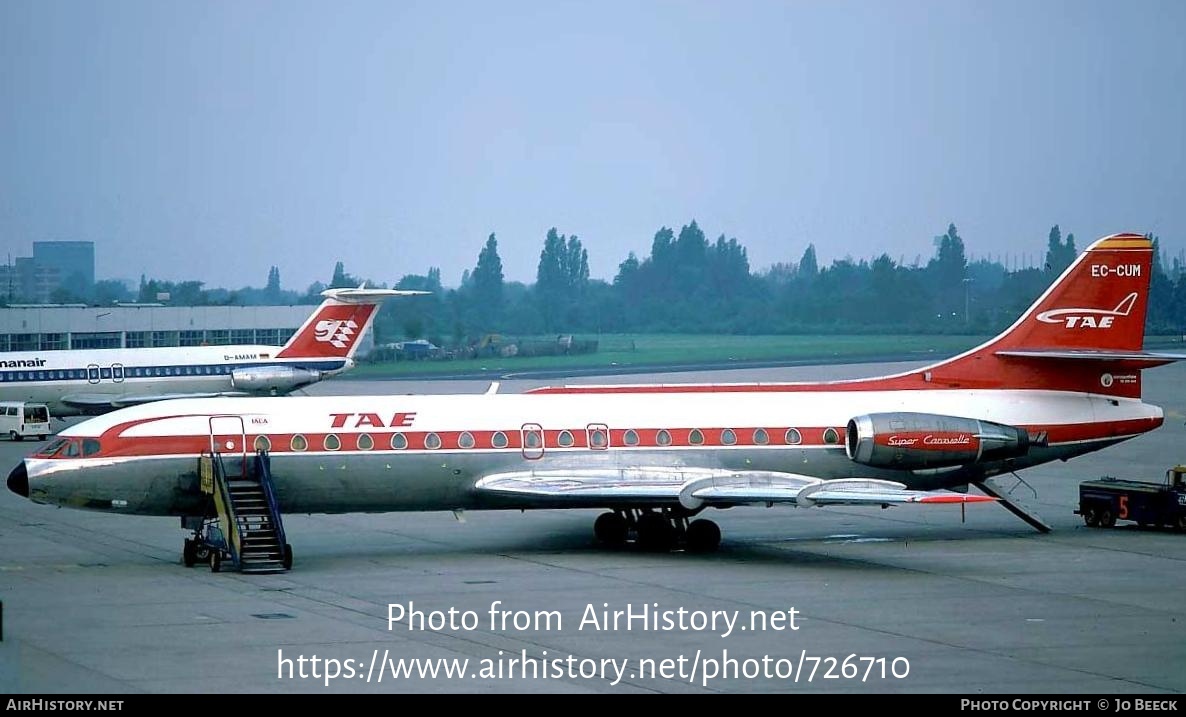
(48,327)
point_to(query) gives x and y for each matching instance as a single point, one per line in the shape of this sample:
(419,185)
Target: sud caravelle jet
(96,381)
(1064,380)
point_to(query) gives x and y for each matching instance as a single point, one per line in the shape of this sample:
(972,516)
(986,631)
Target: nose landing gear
(660,530)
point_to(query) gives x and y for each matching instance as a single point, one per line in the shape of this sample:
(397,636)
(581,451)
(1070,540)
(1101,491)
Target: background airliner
(99,380)
(1064,380)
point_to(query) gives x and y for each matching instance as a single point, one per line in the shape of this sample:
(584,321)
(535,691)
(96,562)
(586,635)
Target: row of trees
(690,284)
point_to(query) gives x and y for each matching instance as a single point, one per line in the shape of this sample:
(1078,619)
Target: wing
(94,401)
(696,487)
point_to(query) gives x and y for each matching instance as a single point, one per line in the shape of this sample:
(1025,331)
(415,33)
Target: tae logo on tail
(1088,318)
(335,332)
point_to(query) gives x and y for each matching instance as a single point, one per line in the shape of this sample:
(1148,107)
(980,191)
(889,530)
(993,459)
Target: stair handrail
(223,504)
(263,465)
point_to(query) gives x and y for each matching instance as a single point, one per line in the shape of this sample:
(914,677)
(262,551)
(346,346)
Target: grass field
(645,350)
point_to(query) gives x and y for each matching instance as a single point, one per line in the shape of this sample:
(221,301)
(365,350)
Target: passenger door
(532,441)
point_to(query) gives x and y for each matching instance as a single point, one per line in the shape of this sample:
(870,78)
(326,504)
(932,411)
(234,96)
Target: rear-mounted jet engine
(924,440)
(272,379)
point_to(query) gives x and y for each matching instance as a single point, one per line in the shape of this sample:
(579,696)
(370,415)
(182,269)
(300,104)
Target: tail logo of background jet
(336,332)
(1088,318)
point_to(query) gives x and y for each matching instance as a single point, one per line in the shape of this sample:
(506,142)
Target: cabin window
(728,437)
(332,442)
(793,437)
(598,438)
(365,442)
(262,443)
(499,440)
(432,441)
(761,438)
(465,440)
(398,441)
(831,436)
(663,437)
(630,437)
(564,440)
(696,437)
(298,443)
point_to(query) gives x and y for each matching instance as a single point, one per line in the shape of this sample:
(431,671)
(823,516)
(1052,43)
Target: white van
(19,419)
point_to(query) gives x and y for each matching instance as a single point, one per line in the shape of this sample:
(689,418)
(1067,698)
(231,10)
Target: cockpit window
(90,446)
(53,447)
(71,450)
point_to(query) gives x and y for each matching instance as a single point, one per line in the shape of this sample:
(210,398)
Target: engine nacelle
(272,379)
(927,440)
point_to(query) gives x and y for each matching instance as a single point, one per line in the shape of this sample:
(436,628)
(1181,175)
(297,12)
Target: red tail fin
(335,327)
(1084,334)
(1098,303)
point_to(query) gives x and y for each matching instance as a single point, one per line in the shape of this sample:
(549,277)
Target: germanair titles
(23,363)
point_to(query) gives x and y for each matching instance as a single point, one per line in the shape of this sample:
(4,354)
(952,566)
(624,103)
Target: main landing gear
(657,530)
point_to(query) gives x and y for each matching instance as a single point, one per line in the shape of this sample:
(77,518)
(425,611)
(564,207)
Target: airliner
(1062,381)
(96,381)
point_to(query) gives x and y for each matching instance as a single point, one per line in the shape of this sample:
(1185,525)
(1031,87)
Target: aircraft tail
(1085,333)
(334,329)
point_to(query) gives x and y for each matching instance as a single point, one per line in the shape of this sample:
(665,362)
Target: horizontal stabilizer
(1145,358)
(363,295)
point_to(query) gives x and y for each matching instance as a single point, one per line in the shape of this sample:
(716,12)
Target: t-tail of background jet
(1085,333)
(334,329)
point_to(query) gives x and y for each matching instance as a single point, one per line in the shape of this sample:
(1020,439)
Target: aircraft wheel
(287,556)
(215,561)
(188,554)
(611,529)
(655,532)
(704,536)
(1107,517)
(1091,518)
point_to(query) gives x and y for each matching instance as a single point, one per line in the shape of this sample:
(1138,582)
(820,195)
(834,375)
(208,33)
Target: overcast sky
(212,140)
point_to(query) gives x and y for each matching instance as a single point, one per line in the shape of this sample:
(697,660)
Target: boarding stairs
(246,528)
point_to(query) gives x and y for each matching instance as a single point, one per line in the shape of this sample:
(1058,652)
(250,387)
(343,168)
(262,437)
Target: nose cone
(18,480)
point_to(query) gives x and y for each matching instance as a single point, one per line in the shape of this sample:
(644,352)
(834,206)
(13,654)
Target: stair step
(246,482)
